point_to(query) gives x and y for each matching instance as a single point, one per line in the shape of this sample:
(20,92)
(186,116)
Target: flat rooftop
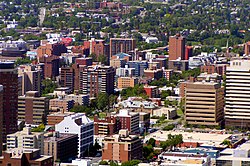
(213,138)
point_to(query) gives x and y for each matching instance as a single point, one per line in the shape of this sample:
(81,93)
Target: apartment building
(9,80)
(81,125)
(129,120)
(62,147)
(67,77)
(51,66)
(31,78)
(1,119)
(32,108)
(96,79)
(122,147)
(237,111)
(177,47)
(121,45)
(26,139)
(106,126)
(204,103)
(57,117)
(60,104)
(78,99)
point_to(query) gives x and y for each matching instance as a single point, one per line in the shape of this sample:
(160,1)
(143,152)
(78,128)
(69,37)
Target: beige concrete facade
(125,82)
(204,103)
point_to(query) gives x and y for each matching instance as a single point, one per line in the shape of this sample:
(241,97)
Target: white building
(26,139)
(78,124)
(125,72)
(152,40)
(80,99)
(237,112)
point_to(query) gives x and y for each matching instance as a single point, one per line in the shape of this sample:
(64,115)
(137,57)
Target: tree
(151,141)
(147,150)
(102,59)
(103,163)
(21,61)
(82,109)
(168,127)
(131,163)
(39,128)
(48,86)
(102,101)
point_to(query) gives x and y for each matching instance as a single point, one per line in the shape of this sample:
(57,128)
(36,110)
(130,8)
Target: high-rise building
(67,75)
(32,108)
(31,78)
(51,49)
(97,47)
(9,80)
(122,147)
(1,119)
(139,67)
(204,103)
(81,125)
(26,139)
(177,47)
(129,120)
(237,111)
(121,45)
(96,79)
(62,147)
(51,66)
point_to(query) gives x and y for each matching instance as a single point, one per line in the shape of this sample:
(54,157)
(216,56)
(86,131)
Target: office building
(122,147)
(125,82)
(106,126)
(60,104)
(177,47)
(178,65)
(81,125)
(125,72)
(96,79)
(129,120)
(32,108)
(63,147)
(31,78)
(1,119)
(9,80)
(121,45)
(204,103)
(139,67)
(24,157)
(26,139)
(237,94)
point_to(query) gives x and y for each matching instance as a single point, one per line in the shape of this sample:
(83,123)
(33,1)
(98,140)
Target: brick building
(32,108)
(51,49)
(24,157)
(9,80)
(57,117)
(125,82)
(154,74)
(121,45)
(106,126)
(177,47)
(129,120)
(152,91)
(62,147)
(51,65)
(1,119)
(122,147)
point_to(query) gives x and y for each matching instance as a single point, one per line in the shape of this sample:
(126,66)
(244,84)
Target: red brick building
(154,74)
(25,157)
(188,52)
(51,66)
(218,68)
(84,61)
(152,91)
(9,80)
(122,147)
(121,45)
(177,47)
(1,119)
(106,126)
(51,49)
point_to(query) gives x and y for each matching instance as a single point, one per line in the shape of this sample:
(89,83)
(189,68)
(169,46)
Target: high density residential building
(237,113)
(51,66)
(57,117)
(32,108)
(60,104)
(204,103)
(62,147)
(177,47)
(1,119)
(78,99)
(129,120)
(26,139)
(24,157)
(121,45)
(67,75)
(31,78)
(139,67)
(96,79)
(9,80)
(81,125)
(106,126)
(122,147)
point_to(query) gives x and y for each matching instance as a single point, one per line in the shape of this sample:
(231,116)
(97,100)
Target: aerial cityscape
(124,83)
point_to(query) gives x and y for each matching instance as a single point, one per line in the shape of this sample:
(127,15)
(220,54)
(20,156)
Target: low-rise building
(26,139)
(78,99)
(106,126)
(125,82)
(57,117)
(122,147)
(60,104)
(152,91)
